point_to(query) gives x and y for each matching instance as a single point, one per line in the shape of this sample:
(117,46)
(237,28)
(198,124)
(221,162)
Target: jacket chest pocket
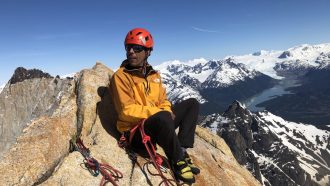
(149,92)
(154,91)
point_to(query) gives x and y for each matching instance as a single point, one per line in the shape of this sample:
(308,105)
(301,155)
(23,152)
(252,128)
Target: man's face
(136,55)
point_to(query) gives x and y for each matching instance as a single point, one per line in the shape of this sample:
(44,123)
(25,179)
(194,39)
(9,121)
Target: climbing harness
(156,159)
(109,173)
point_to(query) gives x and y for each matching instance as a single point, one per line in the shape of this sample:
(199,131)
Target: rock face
(41,153)
(29,94)
(285,54)
(276,151)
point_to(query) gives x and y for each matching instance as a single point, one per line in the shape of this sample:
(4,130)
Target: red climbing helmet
(139,36)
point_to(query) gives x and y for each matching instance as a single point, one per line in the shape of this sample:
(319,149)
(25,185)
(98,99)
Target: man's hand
(173,115)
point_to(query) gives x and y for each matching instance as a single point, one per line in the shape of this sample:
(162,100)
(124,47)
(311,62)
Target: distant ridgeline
(218,83)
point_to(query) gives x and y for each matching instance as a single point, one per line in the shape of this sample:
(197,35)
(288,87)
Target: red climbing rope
(156,159)
(109,173)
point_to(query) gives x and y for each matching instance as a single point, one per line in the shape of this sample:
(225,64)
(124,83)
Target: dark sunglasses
(136,48)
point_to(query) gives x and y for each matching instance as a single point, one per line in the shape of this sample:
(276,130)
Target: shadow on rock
(107,112)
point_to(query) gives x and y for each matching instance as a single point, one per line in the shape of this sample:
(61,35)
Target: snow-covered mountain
(177,91)
(276,151)
(195,78)
(221,73)
(228,73)
(272,62)
(323,60)
(267,62)
(309,145)
(216,83)
(173,72)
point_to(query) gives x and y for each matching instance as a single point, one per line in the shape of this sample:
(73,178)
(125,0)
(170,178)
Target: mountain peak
(22,74)
(236,109)
(285,54)
(272,148)
(228,73)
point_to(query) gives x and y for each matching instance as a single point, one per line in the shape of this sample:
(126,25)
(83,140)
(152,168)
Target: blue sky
(65,36)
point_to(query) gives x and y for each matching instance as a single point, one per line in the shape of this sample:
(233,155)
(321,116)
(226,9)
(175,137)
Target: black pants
(161,128)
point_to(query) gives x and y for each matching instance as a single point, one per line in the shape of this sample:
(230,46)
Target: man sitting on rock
(138,94)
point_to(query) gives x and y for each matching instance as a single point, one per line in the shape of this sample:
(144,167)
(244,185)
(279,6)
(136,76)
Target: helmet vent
(139,33)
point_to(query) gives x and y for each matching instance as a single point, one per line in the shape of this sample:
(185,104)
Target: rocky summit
(42,115)
(22,74)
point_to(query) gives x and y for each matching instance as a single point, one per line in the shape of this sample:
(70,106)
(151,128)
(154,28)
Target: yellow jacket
(136,97)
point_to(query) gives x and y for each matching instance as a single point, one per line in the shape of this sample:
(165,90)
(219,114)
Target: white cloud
(204,30)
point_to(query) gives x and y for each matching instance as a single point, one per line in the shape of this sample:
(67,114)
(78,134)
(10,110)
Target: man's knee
(193,102)
(159,122)
(164,119)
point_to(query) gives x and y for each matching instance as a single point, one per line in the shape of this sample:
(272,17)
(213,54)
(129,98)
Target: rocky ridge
(41,154)
(28,95)
(276,151)
(22,74)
